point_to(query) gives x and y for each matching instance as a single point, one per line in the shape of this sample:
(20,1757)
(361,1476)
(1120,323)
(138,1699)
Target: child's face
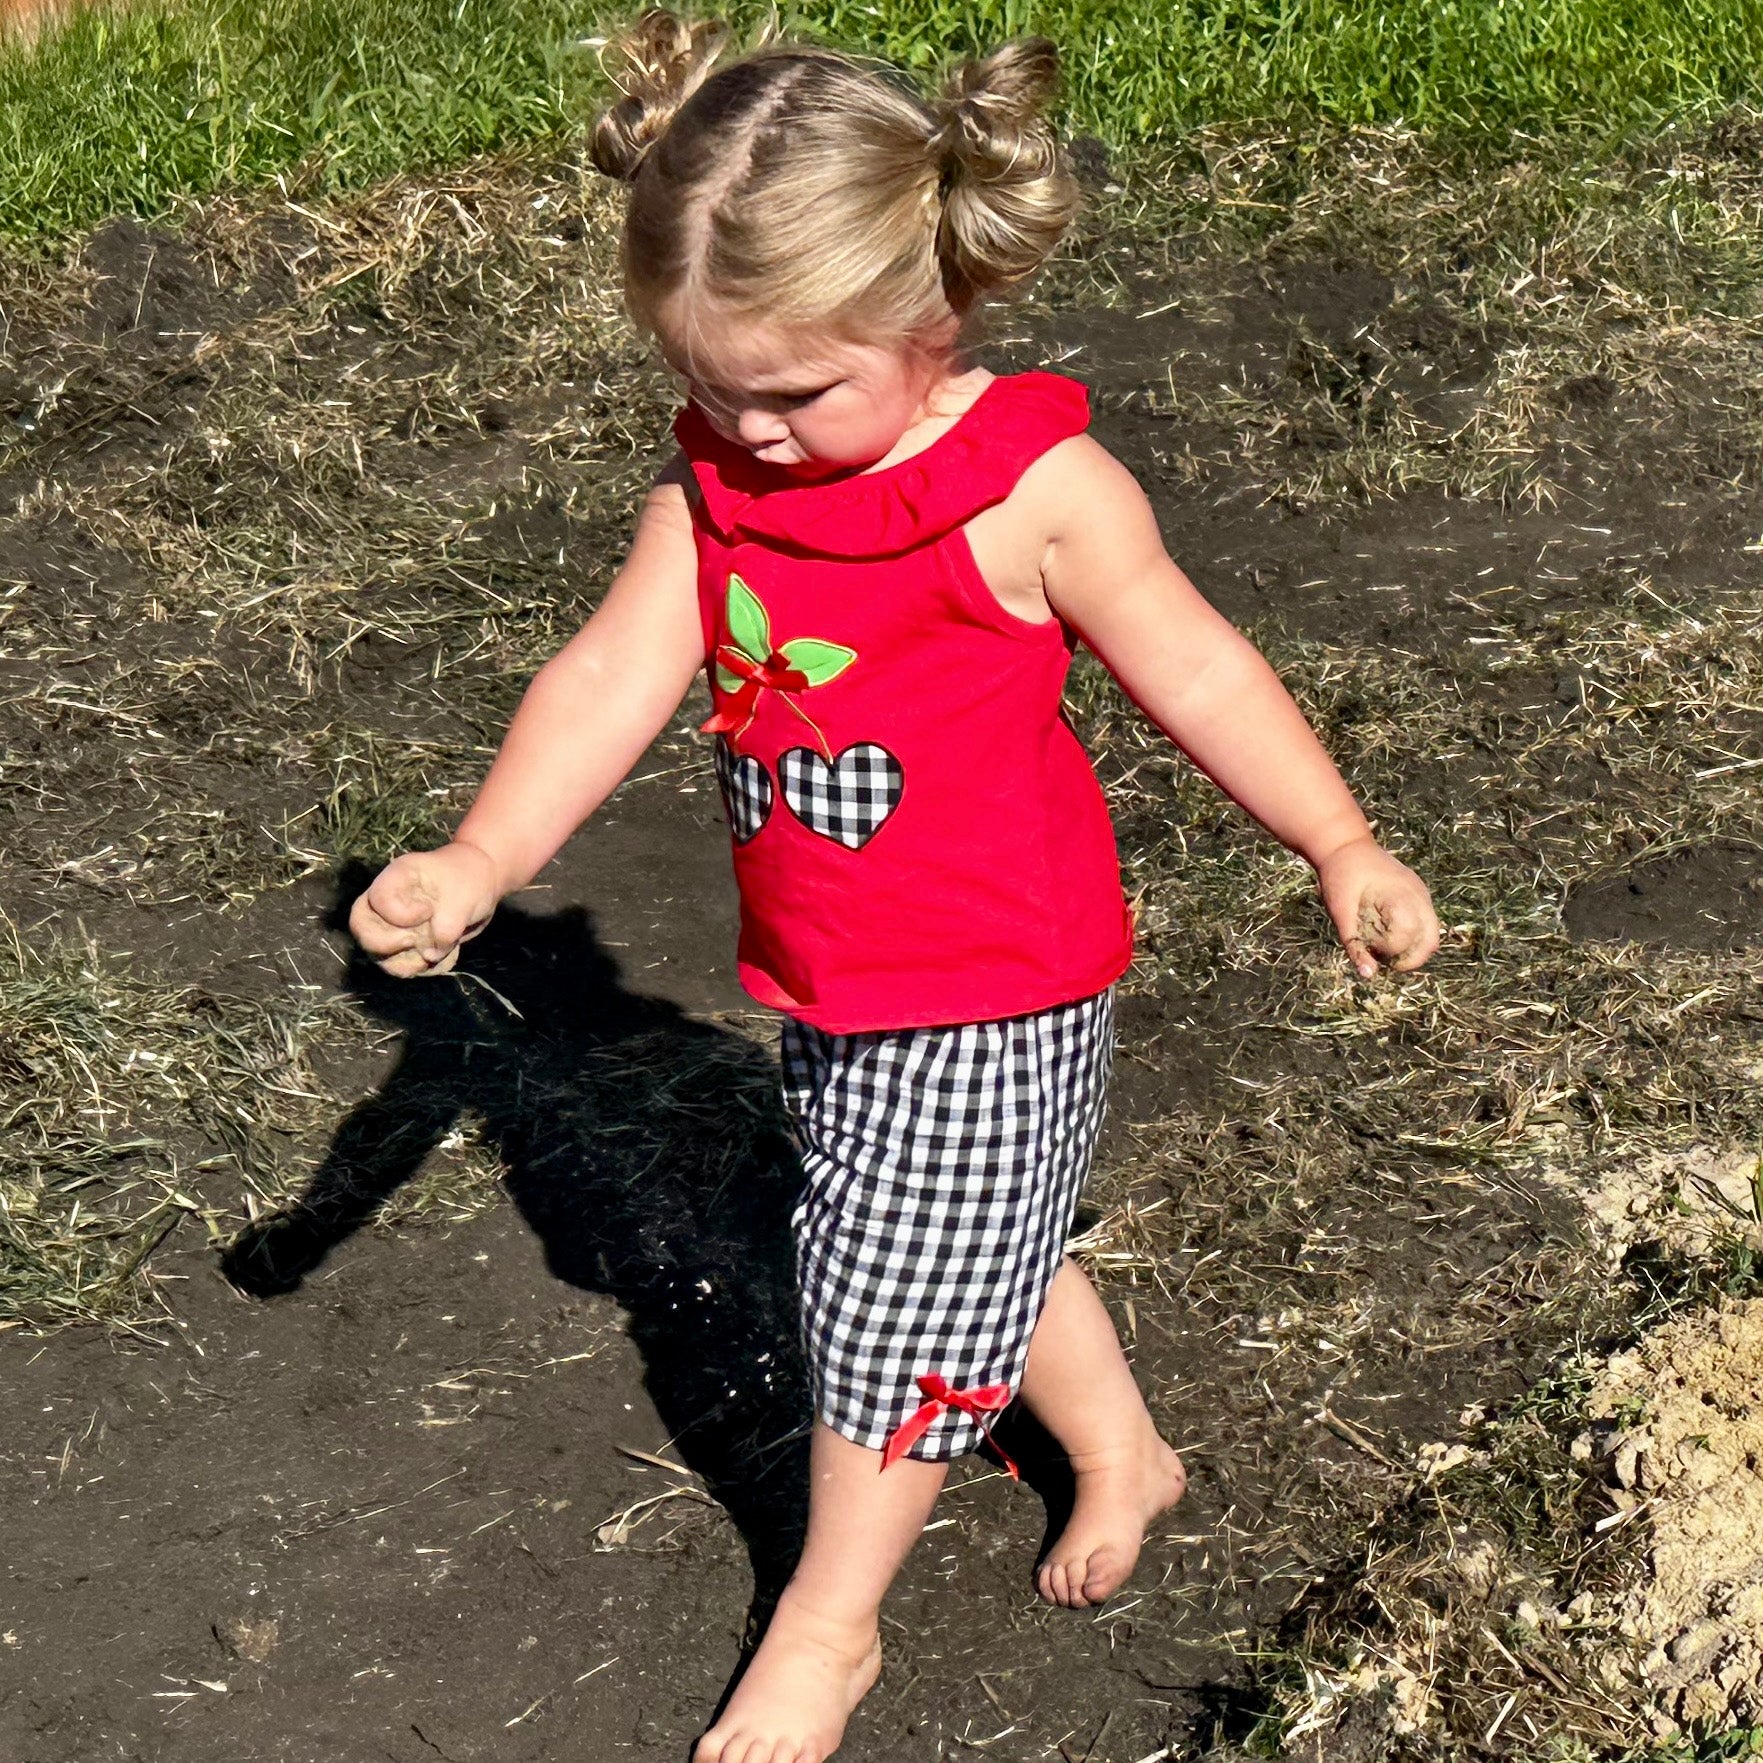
(811,403)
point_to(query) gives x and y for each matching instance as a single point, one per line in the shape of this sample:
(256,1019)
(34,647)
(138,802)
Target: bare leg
(1078,1384)
(822,1650)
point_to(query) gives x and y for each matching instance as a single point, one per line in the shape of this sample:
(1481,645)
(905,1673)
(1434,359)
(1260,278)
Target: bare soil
(1680,1419)
(368,1491)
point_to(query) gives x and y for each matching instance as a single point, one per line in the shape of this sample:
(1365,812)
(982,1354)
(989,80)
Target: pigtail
(656,66)
(1007,194)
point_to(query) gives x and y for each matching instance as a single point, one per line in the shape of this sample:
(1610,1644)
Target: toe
(708,1748)
(1109,1571)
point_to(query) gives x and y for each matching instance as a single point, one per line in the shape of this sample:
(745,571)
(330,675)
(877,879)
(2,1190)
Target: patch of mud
(124,351)
(385,1517)
(1183,372)
(1180,1046)
(1708,897)
(1682,1428)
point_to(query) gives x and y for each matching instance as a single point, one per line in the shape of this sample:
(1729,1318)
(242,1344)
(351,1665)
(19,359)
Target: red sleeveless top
(918,836)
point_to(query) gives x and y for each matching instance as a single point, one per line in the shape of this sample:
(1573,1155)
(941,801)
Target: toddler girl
(883,557)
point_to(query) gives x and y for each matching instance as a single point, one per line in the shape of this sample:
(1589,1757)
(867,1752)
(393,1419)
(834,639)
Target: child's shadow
(646,1150)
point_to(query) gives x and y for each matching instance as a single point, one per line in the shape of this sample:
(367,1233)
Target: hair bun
(991,108)
(1007,193)
(656,66)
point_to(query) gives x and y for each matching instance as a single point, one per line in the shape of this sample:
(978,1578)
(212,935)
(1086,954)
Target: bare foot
(792,1705)
(1119,1492)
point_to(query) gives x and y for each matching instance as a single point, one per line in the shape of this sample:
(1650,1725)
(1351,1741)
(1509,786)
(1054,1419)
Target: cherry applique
(747,667)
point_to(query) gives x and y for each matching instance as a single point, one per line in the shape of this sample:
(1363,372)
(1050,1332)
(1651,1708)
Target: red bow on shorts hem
(941,1396)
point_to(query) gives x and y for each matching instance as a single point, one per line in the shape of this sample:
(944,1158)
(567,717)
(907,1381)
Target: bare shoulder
(1082,515)
(663,553)
(1076,510)
(1079,487)
(673,496)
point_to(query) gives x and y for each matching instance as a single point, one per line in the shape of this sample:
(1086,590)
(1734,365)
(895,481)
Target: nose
(760,428)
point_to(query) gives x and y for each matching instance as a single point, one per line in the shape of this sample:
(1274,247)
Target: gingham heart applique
(746,791)
(847,799)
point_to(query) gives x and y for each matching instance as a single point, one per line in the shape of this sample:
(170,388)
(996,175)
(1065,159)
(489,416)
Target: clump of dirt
(1682,1418)
(1681,1203)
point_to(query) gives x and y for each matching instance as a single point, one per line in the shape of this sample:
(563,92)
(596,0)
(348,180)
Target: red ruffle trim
(974,465)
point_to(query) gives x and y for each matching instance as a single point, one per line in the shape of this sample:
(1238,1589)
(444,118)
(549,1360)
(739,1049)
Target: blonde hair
(802,187)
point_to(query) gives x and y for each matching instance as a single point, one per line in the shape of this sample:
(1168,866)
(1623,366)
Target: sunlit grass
(130,109)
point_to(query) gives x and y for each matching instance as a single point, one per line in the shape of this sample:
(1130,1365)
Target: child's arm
(1207,687)
(585,720)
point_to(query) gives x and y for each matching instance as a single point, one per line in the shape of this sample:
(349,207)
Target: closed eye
(716,397)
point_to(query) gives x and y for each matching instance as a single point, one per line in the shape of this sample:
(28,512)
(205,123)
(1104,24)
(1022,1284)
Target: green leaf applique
(816,661)
(748,622)
(746,667)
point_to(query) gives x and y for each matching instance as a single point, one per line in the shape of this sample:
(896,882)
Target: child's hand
(422,906)
(1380,907)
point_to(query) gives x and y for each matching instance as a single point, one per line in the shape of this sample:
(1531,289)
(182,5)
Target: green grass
(133,109)
(128,110)
(1459,66)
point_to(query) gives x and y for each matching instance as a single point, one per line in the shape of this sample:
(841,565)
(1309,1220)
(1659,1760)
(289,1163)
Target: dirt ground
(400,1464)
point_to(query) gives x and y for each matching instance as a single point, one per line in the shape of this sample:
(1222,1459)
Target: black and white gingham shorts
(943,1168)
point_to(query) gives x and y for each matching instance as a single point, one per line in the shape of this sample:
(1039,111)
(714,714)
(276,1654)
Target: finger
(1423,948)
(1364,962)
(418,964)
(400,893)
(1391,926)
(405,964)
(376,935)
(1343,912)
(1359,952)
(1412,923)
(448,926)
(1412,937)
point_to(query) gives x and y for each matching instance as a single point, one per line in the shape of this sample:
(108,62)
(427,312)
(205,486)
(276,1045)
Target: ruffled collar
(971,466)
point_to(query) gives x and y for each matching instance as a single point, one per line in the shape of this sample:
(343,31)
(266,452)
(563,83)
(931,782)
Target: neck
(948,396)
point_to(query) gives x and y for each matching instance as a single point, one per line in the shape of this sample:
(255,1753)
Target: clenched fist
(422,906)
(1381,908)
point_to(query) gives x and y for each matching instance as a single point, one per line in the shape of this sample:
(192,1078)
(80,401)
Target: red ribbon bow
(773,674)
(994,1398)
